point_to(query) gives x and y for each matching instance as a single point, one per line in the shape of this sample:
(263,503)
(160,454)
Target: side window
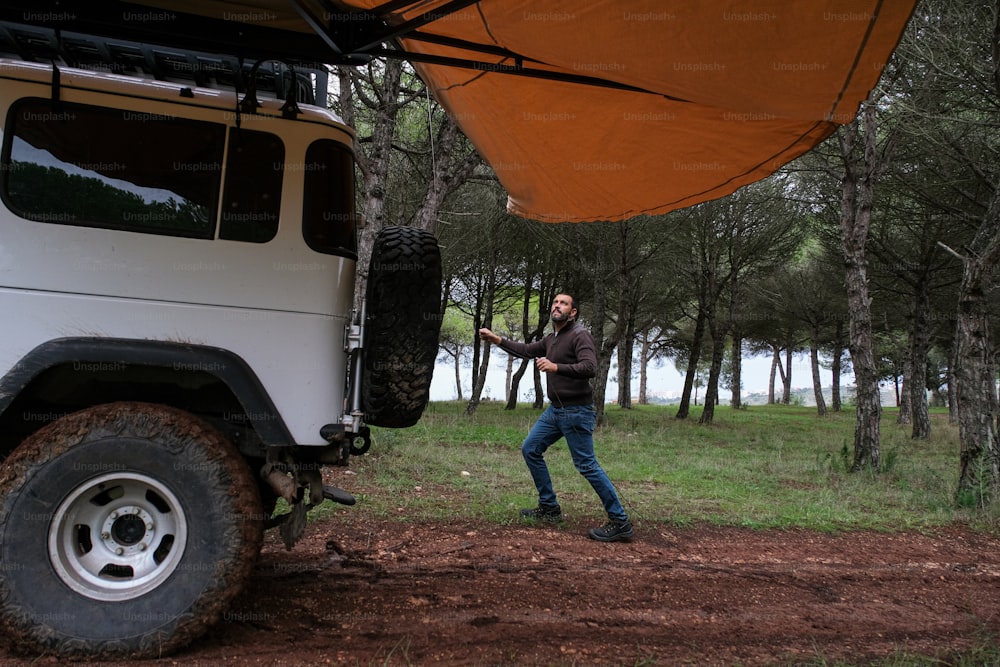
(83,165)
(251,200)
(328,198)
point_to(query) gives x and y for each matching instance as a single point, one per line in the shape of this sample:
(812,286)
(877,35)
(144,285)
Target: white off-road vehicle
(179,347)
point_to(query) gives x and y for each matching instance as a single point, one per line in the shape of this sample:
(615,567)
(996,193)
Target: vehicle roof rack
(206,70)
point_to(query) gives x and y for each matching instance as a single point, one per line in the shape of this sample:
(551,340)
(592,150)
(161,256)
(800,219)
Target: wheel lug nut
(142,546)
(114,515)
(105,535)
(119,551)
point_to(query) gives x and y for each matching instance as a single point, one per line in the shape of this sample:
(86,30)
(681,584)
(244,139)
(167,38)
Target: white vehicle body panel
(280,305)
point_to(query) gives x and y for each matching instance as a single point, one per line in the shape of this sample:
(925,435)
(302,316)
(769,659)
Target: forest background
(874,256)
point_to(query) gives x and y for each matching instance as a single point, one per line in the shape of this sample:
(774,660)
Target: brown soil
(364,592)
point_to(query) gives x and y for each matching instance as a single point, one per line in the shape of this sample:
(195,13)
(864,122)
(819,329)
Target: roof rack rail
(207,70)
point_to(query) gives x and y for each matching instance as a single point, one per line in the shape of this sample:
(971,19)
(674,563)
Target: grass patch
(765,467)
(761,467)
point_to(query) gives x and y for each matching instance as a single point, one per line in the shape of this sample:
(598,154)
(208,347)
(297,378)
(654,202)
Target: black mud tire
(403,306)
(161,482)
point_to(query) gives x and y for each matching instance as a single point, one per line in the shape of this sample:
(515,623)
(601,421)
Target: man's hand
(546,366)
(486,334)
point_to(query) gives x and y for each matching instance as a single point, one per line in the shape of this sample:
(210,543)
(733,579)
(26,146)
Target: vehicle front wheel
(125,531)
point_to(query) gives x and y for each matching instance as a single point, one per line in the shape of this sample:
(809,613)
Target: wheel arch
(67,374)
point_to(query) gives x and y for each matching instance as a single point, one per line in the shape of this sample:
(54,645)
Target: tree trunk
(626,317)
(477,388)
(977,408)
(952,387)
(508,380)
(684,409)
(373,163)
(605,348)
(975,370)
(478,321)
(905,415)
(515,384)
(786,377)
(603,344)
(814,362)
(736,352)
(515,380)
(857,192)
(919,344)
(837,368)
(643,368)
(625,345)
(450,170)
(479,373)
(715,370)
(775,367)
(601,383)
(716,333)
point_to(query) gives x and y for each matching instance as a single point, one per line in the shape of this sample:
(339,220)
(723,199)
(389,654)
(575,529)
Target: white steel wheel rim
(117,537)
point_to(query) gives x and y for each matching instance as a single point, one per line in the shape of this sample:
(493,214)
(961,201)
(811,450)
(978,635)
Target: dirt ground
(364,592)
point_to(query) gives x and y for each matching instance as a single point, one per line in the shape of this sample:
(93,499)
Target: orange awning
(585,109)
(720,93)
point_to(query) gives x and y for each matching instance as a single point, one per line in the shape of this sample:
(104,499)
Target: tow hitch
(302,489)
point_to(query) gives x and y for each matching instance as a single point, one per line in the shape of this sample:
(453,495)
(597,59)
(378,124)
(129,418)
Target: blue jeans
(576,424)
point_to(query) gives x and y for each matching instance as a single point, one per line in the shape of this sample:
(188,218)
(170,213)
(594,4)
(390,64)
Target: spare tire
(403,321)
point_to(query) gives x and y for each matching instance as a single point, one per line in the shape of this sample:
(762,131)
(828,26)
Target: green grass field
(762,467)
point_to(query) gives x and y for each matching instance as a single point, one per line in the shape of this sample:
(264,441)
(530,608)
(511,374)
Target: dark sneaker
(549,513)
(613,531)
